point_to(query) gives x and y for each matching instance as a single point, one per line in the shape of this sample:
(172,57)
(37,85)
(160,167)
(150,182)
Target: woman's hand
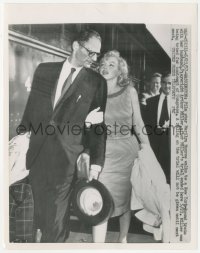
(94,117)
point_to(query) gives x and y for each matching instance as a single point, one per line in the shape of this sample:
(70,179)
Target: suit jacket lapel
(55,78)
(156,107)
(76,83)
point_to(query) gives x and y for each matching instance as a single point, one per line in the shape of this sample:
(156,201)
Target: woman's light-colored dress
(121,149)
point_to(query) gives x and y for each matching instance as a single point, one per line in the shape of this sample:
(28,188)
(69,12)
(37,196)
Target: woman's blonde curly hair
(123,78)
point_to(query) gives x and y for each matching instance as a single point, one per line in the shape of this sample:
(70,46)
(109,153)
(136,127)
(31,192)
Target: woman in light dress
(122,116)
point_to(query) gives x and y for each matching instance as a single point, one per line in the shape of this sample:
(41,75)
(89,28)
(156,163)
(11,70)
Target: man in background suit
(157,122)
(152,87)
(62,96)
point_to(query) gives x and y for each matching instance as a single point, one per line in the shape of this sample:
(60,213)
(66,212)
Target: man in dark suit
(62,96)
(157,122)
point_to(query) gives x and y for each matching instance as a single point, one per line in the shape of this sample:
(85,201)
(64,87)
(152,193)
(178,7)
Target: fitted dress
(121,149)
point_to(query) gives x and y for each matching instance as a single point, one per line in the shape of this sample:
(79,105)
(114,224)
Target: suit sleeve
(147,114)
(96,137)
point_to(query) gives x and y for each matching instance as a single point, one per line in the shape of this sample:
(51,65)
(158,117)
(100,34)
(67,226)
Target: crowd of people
(71,92)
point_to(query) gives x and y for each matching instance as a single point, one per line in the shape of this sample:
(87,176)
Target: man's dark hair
(85,35)
(166,74)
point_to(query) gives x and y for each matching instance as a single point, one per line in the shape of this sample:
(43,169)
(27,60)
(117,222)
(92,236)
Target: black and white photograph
(99,129)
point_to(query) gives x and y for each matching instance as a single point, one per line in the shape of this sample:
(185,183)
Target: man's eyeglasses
(90,53)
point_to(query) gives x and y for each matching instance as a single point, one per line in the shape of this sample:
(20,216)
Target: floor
(82,233)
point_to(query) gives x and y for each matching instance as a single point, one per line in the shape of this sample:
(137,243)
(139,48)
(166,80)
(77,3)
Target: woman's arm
(138,123)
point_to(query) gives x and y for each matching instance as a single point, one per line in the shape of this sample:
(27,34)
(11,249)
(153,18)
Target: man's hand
(94,117)
(84,170)
(94,172)
(83,165)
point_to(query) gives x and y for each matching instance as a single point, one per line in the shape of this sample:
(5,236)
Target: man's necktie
(68,81)
(164,116)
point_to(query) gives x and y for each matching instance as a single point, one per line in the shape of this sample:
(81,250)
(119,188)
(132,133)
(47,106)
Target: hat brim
(107,207)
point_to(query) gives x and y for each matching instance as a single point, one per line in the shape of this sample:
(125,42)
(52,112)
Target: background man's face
(82,53)
(166,85)
(155,84)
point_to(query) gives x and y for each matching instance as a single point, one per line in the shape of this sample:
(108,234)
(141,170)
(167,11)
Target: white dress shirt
(66,69)
(160,103)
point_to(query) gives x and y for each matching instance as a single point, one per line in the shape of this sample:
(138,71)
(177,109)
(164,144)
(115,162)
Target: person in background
(63,93)
(157,122)
(122,114)
(152,87)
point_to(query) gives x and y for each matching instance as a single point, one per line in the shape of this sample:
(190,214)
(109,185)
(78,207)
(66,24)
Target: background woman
(121,116)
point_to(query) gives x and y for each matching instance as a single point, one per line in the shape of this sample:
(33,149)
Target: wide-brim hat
(92,202)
